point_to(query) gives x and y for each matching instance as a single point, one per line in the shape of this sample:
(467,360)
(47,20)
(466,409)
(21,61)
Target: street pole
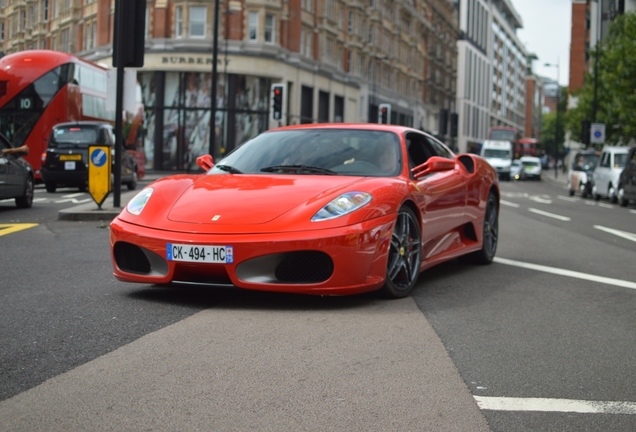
(119,101)
(557,131)
(215,55)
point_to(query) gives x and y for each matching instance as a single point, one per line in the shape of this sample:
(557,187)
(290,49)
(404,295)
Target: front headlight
(344,204)
(137,204)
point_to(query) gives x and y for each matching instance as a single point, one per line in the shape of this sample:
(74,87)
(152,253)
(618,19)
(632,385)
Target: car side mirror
(432,165)
(205,162)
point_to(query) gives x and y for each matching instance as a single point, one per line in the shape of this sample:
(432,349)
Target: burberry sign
(187,60)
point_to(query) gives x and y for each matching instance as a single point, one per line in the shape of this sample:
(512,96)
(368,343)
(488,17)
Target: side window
(4,144)
(418,148)
(439,148)
(605,160)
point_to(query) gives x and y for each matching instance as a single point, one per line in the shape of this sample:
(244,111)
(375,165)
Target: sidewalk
(560,180)
(91,212)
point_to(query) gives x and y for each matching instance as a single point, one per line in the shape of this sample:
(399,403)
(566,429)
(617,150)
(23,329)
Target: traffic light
(443,122)
(384,113)
(133,31)
(278,93)
(585,131)
(454,119)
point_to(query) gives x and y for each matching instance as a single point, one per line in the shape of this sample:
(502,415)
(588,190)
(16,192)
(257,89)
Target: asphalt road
(502,347)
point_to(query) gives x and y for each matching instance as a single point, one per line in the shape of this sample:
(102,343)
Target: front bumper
(338,261)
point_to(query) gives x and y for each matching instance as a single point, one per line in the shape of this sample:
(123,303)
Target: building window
(1,31)
(45,10)
(197,21)
(270,25)
(66,41)
(253,26)
(178,22)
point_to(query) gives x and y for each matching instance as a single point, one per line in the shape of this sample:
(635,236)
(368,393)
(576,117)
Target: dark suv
(627,180)
(66,159)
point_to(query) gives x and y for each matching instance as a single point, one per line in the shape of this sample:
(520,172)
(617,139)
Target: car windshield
(530,163)
(318,152)
(495,153)
(515,163)
(587,162)
(74,136)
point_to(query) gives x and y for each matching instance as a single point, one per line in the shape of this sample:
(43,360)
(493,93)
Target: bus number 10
(26,103)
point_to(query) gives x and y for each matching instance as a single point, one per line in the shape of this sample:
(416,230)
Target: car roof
(83,123)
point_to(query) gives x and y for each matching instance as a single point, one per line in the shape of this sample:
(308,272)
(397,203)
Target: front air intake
(131,258)
(305,267)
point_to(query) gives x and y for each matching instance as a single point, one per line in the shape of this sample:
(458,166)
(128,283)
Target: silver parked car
(16,174)
(608,171)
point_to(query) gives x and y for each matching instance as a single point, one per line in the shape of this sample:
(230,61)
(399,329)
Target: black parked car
(627,180)
(16,174)
(65,162)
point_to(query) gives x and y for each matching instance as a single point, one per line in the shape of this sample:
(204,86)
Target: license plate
(69,166)
(71,157)
(199,253)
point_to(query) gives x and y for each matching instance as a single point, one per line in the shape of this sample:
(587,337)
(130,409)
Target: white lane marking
(552,215)
(508,203)
(73,195)
(540,200)
(633,211)
(590,203)
(40,199)
(606,205)
(564,198)
(73,200)
(568,273)
(555,405)
(623,234)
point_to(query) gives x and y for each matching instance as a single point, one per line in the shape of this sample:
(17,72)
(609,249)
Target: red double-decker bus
(521,146)
(41,88)
(528,147)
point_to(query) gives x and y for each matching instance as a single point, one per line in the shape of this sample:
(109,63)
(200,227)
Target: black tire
(50,187)
(405,256)
(26,200)
(490,234)
(622,201)
(611,194)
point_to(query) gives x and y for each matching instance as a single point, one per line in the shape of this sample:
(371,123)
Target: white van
(608,171)
(499,155)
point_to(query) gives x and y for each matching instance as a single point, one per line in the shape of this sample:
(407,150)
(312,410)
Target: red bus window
(3,87)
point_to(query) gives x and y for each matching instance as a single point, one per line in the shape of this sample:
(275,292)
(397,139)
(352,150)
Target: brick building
(339,60)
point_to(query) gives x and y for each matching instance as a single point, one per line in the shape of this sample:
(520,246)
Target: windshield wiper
(298,169)
(228,168)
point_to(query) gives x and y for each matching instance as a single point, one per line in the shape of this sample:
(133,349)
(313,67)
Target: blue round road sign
(98,157)
(597,133)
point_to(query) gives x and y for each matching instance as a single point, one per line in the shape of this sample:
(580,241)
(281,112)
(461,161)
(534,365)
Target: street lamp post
(557,131)
(215,56)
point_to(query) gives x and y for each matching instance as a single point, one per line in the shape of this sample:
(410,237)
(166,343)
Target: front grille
(131,258)
(304,267)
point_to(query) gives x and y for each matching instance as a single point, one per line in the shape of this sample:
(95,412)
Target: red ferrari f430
(328,209)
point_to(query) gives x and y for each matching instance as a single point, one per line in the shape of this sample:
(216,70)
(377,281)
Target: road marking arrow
(11,228)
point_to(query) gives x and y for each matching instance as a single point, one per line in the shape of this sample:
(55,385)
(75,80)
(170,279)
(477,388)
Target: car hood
(226,199)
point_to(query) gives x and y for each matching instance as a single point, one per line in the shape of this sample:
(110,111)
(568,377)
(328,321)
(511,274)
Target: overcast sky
(546,32)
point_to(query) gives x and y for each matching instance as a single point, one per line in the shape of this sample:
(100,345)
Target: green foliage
(615,85)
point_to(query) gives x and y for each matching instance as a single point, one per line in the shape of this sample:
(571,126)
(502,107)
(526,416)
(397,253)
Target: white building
(491,70)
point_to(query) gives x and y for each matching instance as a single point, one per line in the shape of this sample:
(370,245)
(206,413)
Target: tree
(615,83)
